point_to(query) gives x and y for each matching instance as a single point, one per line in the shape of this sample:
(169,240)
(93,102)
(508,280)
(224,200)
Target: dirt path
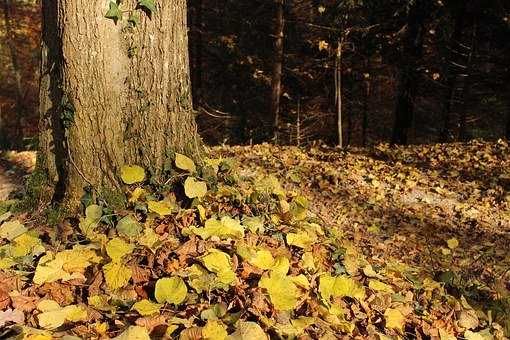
(14,166)
(6,183)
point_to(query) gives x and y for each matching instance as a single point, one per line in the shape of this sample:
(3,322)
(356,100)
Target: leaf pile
(281,243)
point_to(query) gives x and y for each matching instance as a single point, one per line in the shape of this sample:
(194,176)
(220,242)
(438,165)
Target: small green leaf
(134,20)
(114,12)
(129,227)
(148,6)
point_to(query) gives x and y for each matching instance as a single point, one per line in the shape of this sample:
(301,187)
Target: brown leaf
(140,275)
(22,302)
(151,322)
(5,300)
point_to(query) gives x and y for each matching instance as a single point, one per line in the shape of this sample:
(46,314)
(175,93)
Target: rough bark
(276,81)
(112,95)
(408,73)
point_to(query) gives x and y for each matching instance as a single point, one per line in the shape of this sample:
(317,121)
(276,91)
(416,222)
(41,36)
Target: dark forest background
(402,71)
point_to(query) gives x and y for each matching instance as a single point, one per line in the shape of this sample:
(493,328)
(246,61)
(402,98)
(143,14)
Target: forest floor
(383,242)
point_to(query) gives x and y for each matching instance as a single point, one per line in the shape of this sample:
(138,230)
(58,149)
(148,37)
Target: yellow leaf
(340,286)
(134,333)
(214,330)
(248,331)
(184,163)
(308,261)
(132,174)
(452,243)
(49,269)
(323,45)
(171,290)
(117,248)
(26,244)
(146,307)
(54,316)
(136,194)
(194,188)
(301,239)
(218,262)
(116,275)
(263,259)
(281,265)
(394,319)
(12,229)
(282,291)
(227,227)
(380,286)
(150,239)
(94,212)
(301,281)
(162,208)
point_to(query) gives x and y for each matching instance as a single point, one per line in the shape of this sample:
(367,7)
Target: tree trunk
(366,100)
(459,56)
(112,95)
(7,7)
(338,91)
(197,31)
(276,82)
(408,73)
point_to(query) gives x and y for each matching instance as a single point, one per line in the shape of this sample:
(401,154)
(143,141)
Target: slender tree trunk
(350,106)
(457,60)
(338,91)
(276,82)
(102,107)
(7,7)
(366,100)
(408,73)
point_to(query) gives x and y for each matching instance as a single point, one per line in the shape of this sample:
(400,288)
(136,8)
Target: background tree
(115,91)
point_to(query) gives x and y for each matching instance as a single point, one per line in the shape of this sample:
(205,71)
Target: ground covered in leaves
(273,242)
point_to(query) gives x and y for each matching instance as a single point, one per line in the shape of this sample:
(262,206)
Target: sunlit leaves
(248,331)
(134,333)
(184,163)
(117,275)
(53,316)
(282,291)
(394,319)
(219,263)
(146,307)
(214,330)
(162,208)
(11,230)
(227,227)
(132,174)
(194,188)
(171,290)
(117,248)
(340,286)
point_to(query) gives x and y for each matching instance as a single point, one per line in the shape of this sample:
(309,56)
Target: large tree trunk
(408,71)
(112,95)
(276,81)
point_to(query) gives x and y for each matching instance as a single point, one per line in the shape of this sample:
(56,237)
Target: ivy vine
(117,14)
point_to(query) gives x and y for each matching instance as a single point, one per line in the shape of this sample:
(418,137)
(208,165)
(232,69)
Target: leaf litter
(277,242)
